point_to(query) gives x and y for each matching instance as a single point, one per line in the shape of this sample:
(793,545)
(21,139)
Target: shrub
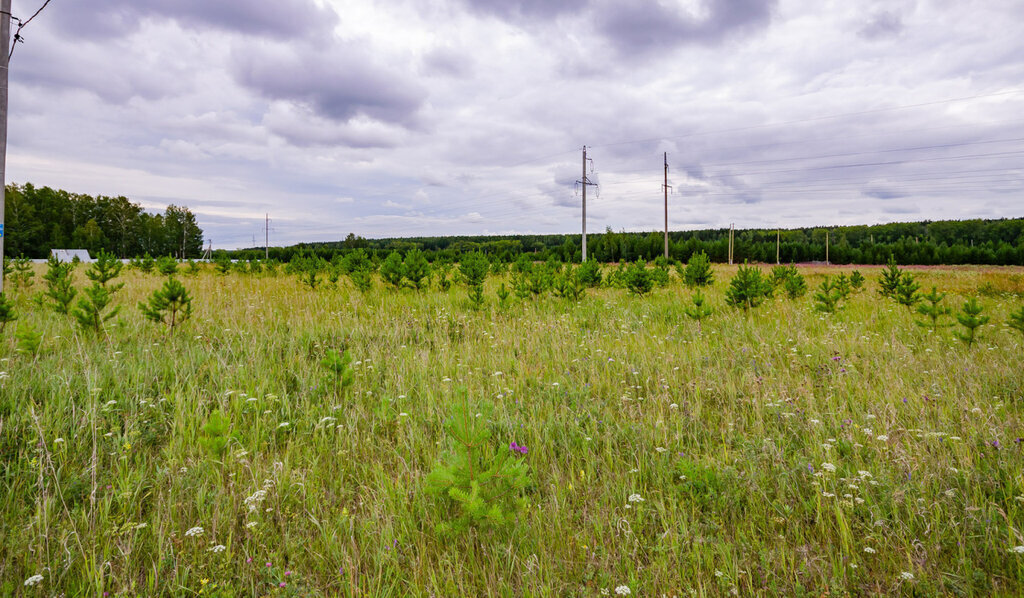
(749,288)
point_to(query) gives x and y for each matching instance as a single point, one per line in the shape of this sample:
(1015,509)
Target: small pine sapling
(589,274)
(106,268)
(856,281)
(1016,320)
(890,279)
(223,264)
(146,264)
(698,311)
(7,269)
(215,437)
(931,309)
(697,272)
(59,287)
(521,285)
(473,268)
(827,299)
(29,340)
(89,311)
(167,265)
(906,291)
(171,304)
(481,485)
(23,272)
(7,313)
(503,295)
(362,279)
(339,367)
(638,278)
(416,269)
(842,284)
(391,270)
(749,288)
(443,282)
(795,285)
(970,318)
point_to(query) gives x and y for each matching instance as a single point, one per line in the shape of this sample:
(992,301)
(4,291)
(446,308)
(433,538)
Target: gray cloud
(882,25)
(104,19)
(639,27)
(339,81)
(526,9)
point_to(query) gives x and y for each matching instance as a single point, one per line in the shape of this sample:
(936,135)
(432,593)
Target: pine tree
(417,269)
(106,268)
(171,301)
(59,287)
(749,288)
(391,271)
(89,311)
(828,296)
(1016,320)
(795,286)
(890,279)
(970,318)
(698,272)
(7,313)
(167,265)
(698,311)
(473,268)
(932,310)
(638,278)
(906,291)
(340,368)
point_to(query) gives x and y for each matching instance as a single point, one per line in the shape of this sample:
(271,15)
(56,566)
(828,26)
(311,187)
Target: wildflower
(882,438)
(194,531)
(635,498)
(661,449)
(864,474)
(518,448)
(907,576)
(217,548)
(623,591)
(31,581)
(828,467)
(283,425)
(1017,550)
(204,581)
(251,524)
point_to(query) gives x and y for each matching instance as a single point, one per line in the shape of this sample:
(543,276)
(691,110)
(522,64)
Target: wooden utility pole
(666,205)
(826,247)
(732,229)
(266,239)
(778,239)
(5,36)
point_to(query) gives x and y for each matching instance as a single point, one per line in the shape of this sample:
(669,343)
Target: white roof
(68,255)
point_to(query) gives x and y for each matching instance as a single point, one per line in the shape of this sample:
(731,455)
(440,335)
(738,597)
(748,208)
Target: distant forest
(37,220)
(998,242)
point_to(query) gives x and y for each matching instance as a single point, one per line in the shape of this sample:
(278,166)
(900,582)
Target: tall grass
(774,452)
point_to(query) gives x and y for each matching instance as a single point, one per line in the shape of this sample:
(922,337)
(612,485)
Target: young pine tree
(749,288)
(638,278)
(106,268)
(89,312)
(698,311)
(416,269)
(7,313)
(339,366)
(59,287)
(1016,320)
(827,299)
(931,309)
(697,272)
(473,268)
(906,291)
(971,319)
(171,304)
(391,270)
(481,483)
(167,265)
(795,286)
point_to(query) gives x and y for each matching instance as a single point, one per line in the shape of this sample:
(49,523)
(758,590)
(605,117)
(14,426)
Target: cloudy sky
(426,117)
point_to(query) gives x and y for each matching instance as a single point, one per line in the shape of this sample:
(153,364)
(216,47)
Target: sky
(468,117)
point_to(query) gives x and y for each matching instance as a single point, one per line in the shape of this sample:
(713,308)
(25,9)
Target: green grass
(723,434)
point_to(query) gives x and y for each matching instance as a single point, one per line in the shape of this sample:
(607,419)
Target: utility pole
(826,247)
(584,182)
(778,239)
(665,186)
(732,229)
(5,36)
(266,239)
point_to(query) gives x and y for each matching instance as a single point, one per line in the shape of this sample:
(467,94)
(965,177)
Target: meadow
(777,451)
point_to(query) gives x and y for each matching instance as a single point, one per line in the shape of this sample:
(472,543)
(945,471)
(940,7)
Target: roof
(69,255)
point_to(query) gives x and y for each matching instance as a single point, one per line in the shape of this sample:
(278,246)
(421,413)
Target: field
(775,452)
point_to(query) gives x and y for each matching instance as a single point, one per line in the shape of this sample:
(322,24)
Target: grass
(728,436)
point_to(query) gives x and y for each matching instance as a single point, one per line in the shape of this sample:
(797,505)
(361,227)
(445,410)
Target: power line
(21,25)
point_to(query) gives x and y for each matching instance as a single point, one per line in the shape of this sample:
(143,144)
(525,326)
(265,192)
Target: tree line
(994,242)
(38,219)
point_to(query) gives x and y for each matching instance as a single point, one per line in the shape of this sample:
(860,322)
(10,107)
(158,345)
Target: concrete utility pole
(5,36)
(778,239)
(666,205)
(826,247)
(266,239)
(584,181)
(732,230)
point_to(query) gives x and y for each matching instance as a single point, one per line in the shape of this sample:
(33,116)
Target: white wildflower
(828,467)
(882,438)
(254,501)
(907,576)
(635,498)
(661,449)
(251,524)
(623,591)
(31,581)
(1017,550)
(869,550)
(217,548)
(283,425)
(194,531)
(864,474)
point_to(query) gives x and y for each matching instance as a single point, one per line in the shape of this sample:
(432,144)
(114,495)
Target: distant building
(70,255)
